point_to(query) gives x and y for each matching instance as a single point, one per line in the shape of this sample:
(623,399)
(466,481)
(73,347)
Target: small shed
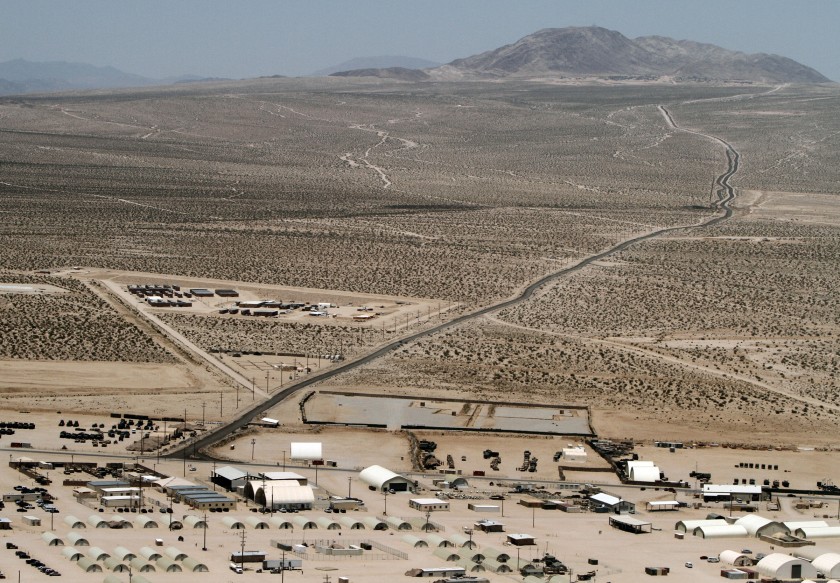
(30,521)
(521,540)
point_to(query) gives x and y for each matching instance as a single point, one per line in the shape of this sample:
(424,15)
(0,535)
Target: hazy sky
(247,38)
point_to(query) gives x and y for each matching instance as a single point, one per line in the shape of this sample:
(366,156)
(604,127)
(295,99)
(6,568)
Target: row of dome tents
(308,523)
(149,560)
(118,522)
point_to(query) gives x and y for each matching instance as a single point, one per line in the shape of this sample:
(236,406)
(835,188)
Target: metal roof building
(229,477)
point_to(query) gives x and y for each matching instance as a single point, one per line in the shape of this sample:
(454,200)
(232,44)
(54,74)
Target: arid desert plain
(638,263)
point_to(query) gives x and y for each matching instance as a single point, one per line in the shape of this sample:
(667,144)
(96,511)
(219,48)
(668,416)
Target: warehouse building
(612,503)
(428,504)
(229,478)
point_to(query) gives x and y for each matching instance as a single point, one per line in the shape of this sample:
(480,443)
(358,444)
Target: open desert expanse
(662,257)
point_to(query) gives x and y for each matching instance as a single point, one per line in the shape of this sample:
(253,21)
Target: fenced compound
(316,549)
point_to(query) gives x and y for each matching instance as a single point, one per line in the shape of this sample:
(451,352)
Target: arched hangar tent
(73,522)
(192,521)
(690,525)
(149,554)
(194,566)
(175,554)
(828,564)
(88,566)
(71,554)
(281,523)
(97,521)
(257,523)
(784,567)
(753,523)
(52,539)
(123,554)
(720,531)
(77,540)
(383,479)
(113,564)
(97,554)
(327,524)
(304,522)
(231,522)
(141,566)
(168,565)
(414,542)
(735,559)
(307,451)
(812,532)
(374,523)
(397,523)
(435,540)
(283,494)
(351,523)
(145,521)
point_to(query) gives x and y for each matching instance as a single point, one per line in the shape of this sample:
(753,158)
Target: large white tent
(384,479)
(720,531)
(306,451)
(753,523)
(812,532)
(828,564)
(783,567)
(690,525)
(734,558)
(642,471)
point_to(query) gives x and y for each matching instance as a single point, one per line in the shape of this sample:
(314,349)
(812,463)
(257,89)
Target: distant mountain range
(598,52)
(385,62)
(20,76)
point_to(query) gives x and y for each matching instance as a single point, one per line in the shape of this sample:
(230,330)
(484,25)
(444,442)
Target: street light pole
(253,443)
(349,479)
(204,545)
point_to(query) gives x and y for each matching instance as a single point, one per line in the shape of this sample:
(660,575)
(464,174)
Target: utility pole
(213,480)
(203,406)
(242,553)
(349,481)
(204,545)
(253,443)
(222,402)
(385,492)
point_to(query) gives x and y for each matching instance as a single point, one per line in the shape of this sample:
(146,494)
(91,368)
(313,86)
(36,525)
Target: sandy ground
(65,377)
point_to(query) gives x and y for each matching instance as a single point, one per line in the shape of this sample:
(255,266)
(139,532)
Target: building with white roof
(307,451)
(383,479)
(784,567)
